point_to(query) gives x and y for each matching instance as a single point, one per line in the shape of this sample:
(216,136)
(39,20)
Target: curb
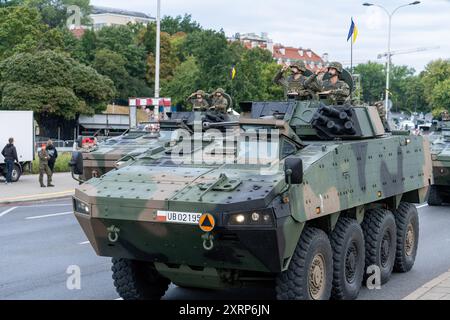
(37,197)
(427,286)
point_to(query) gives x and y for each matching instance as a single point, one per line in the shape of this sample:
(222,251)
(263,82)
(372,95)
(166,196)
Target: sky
(322,25)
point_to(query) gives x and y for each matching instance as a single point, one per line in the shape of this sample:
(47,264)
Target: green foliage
(407,92)
(54,12)
(184,82)
(184,24)
(21,30)
(212,52)
(254,77)
(440,97)
(50,82)
(373,81)
(61,164)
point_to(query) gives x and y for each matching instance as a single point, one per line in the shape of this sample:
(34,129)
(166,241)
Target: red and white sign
(144,102)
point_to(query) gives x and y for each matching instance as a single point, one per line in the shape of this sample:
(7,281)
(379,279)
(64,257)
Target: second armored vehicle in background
(440,154)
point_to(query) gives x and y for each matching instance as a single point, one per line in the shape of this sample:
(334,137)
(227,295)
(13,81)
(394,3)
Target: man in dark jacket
(52,153)
(9,152)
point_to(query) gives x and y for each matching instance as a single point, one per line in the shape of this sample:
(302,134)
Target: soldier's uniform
(199,104)
(339,91)
(382,112)
(44,168)
(220,104)
(292,85)
(445,116)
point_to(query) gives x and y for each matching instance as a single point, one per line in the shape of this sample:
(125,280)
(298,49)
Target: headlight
(120,163)
(253,218)
(81,207)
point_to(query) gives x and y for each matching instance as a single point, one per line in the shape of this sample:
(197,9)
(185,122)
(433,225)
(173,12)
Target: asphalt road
(39,241)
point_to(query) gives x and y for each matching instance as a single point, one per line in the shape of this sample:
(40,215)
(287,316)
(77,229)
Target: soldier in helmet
(335,89)
(220,101)
(445,116)
(294,84)
(199,101)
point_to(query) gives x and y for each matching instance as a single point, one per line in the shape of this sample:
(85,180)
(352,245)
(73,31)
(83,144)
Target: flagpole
(351,66)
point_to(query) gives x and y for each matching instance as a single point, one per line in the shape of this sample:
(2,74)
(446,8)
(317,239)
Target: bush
(61,165)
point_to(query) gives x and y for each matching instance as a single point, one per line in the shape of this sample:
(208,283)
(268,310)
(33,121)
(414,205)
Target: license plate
(178,217)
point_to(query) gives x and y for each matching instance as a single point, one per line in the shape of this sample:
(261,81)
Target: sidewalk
(28,189)
(436,289)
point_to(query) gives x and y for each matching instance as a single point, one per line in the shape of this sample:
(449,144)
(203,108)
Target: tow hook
(113,234)
(208,241)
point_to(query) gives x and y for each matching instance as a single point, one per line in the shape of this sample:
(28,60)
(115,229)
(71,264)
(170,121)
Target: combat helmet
(336,65)
(219,90)
(300,65)
(200,93)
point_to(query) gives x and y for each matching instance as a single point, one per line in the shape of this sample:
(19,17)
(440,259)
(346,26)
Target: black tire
(407,220)
(380,234)
(16,173)
(298,281)
(138,280)
(347,242)
(434,199)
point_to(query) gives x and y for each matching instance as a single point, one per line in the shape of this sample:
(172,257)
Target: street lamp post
(157,58)
(388,63)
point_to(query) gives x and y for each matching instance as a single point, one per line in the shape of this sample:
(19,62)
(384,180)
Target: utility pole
(157,62)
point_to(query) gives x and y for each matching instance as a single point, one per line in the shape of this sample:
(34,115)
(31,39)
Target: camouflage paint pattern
(440,153)
(347,175)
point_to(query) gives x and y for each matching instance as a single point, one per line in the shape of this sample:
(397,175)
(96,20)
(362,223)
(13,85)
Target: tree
(168,61)
(183,24)
(373,81)
(435,81)
(54,12)
(440,97)
(48,82)
(213,55)
(185,81)
(254,76)
(20,30)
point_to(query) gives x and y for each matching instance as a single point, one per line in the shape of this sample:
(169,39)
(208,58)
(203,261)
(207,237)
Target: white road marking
(48,205)
(50,215)
(7,211)
(85,242)
(422,206)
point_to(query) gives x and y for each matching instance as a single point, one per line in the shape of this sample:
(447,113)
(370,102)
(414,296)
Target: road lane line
(38,196)
(422,206)
(7,211)
(48,205)
(85,242)
(49,215)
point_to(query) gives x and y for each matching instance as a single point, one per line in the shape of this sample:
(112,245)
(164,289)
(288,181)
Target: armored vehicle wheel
(434,198)
(347,241)
(407,220)
(310,273)
(138,280)
(380,234)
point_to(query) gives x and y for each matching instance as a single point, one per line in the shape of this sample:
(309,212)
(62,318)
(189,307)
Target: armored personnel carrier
(307,200)
(98,159)
(440,154)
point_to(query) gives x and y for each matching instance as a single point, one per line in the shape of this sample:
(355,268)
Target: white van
(20,126)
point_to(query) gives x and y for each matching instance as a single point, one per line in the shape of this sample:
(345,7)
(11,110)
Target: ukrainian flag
(353,32)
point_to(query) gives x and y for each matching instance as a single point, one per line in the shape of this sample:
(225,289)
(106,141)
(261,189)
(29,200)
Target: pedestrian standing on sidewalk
(44,168)
(9,152)
(53,154)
